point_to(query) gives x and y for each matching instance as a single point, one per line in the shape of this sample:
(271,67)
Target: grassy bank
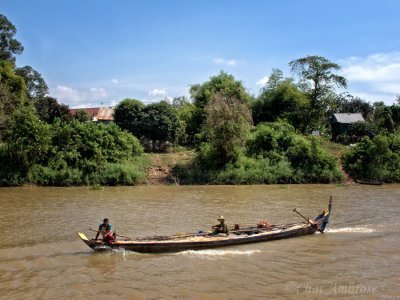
(182,168)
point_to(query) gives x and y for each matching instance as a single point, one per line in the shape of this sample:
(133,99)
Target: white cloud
(372,97)
(97,93)
(377,76)
(263,81)
(158,92)
(69,95)
(222,61)
(218,60)
(114,80)
(83,105)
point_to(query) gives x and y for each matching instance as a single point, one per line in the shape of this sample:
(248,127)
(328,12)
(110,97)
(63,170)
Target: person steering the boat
(106,230)
(221,229)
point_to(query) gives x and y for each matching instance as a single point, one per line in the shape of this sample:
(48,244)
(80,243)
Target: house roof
(347,118)
(106,114)
(97,113)
(91,111)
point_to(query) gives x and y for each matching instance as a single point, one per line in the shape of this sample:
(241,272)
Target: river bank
(180,166)
(166,168)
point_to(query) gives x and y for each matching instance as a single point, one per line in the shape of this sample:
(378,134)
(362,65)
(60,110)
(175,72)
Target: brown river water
(358,257)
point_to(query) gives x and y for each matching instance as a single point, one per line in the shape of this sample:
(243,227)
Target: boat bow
(323,218)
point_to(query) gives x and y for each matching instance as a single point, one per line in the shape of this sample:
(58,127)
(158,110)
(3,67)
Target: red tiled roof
(91,111)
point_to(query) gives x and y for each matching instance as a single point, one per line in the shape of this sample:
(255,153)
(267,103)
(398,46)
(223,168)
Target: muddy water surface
(41,256)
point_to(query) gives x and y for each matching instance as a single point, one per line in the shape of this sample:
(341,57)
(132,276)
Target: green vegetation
(377,159)
(226,130)
(67,153)
(160,124)
(42,144)
(156,123)
(233,136)
(82,116)
(48,109)
(96,187)
(128,114)
(9,45)
(282,99)
(202,94)
(275,154)
(317,80)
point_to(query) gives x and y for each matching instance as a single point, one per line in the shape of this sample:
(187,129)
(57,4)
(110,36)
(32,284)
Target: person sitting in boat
(221,229)
(106,230)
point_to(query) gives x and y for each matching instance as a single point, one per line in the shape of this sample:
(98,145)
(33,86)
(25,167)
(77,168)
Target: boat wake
(218,252)
(361,229)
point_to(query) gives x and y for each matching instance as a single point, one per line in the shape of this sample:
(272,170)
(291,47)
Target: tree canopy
(201,94)
(318,77)
(160,123)
(49,109)
(36,86)
(346,103)
(8,45)
(281,99)
(227,129)
(376,159)
(12,88)
(82,116)
(128,115)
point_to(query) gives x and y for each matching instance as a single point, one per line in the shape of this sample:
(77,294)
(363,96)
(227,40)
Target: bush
(124,173)
(68,154)
(279,143)
(356,132)
(376,159)
(275,154)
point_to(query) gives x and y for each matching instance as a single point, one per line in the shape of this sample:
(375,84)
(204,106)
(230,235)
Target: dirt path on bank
(162,164)
(347,178)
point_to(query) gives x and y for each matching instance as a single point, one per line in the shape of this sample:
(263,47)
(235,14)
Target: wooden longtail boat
(369,182)
(196,241)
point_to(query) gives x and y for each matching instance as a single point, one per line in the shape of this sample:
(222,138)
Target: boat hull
(198,242)
(206,243)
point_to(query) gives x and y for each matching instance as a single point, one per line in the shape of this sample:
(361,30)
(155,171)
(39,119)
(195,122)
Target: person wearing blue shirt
(106,230)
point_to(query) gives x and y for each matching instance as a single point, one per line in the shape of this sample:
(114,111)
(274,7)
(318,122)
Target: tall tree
(48,109)
(179,102)
(160,123)
(201,94)
(274,79)
(281,98)
(36,86)
(396,114)
(12,88)
(128,115)
(185,111)
(319,79)
(227,126)
(8,45)
(27,138)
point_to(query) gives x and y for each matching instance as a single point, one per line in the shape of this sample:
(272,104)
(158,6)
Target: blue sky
(92,52)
